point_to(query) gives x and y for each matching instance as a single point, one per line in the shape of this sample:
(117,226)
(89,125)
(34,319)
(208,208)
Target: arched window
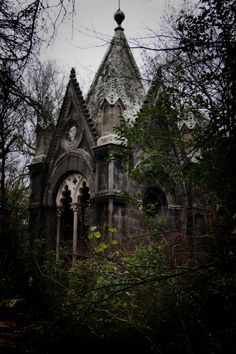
(154,201)
(72,202)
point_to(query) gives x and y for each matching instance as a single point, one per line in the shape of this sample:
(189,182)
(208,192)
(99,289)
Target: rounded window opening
(154,201)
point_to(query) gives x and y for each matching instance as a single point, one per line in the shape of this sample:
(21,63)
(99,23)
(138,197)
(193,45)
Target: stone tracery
(70,212)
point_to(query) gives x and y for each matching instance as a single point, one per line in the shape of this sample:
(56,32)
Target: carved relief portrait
(72,136)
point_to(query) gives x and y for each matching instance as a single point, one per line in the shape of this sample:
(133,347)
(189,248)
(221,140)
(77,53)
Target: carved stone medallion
(72,135)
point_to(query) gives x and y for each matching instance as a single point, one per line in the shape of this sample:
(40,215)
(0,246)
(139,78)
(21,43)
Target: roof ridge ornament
(72,73)
(119,17)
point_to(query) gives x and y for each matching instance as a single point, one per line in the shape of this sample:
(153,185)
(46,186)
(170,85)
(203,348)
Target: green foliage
(97,235)
(184,135)
(13,243)
(94,233)
(209,309)
(101,247)
(163,154)
(102,294)
(208,66)
(137,293)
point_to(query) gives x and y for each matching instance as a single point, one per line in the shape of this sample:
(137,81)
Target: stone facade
(74,182)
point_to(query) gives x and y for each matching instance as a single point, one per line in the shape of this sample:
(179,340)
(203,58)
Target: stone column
(75,208)
(58,236)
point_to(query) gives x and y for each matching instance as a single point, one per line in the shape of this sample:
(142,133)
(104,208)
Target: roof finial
(72,73)
(119,17)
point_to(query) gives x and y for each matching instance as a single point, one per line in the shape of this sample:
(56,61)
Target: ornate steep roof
(118,77)
(73,113)
(78,91)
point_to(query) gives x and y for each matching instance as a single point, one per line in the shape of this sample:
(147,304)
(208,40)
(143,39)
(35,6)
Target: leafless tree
(44,94)
(23,24)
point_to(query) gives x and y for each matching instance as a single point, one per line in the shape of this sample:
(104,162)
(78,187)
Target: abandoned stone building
(74,183)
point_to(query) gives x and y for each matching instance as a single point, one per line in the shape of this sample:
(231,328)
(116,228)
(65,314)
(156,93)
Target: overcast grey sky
(84,46)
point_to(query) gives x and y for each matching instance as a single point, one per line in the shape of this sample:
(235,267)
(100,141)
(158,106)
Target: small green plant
(103,242)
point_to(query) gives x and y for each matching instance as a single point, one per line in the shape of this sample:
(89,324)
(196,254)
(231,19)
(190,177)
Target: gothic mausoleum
(74,183)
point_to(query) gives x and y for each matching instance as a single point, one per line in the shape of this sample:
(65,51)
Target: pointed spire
(117,88)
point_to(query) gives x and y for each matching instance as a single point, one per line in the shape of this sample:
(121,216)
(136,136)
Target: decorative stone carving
(109,139)
(73,183)
(72,136)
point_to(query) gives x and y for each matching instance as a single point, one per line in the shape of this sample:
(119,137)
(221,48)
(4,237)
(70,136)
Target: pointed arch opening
(154,201)
(72,203)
